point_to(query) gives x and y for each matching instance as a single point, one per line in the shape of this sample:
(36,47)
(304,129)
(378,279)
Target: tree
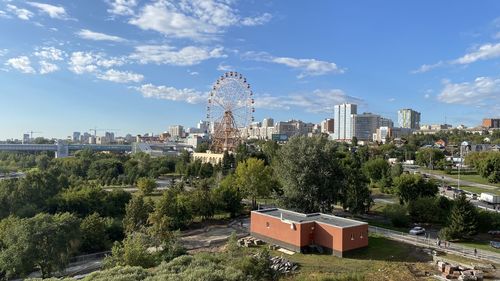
(202,201)
(354,141)
(93,234)
(202,147)
(44,241)
(429,157)
(146,185)
(136,214)
(254,179)
(309,172)
(397,214)
(228,163)
(463,219)
(356,195)
(376,169)
(410,187)
(173,208)
(396,170)
(133,251)
(489,167)
(227,196)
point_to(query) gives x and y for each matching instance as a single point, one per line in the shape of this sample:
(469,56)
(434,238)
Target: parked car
(417,230)
(449,188)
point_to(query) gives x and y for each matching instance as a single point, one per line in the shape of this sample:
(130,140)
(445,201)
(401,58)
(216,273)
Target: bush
(447,234)
(397,214)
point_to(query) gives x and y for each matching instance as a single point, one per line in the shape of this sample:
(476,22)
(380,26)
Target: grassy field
(478,190)
(466,176)
(480,245)
(383,259)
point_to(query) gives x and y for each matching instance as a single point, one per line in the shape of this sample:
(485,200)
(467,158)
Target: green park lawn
(480,245)
(471,176)
(382,258)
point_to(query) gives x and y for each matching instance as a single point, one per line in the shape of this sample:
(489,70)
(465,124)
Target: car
(449,188)
(417,230)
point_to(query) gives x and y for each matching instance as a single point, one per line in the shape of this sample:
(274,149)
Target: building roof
(295,217)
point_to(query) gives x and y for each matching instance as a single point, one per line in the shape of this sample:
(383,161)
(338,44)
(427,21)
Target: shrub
(397,214)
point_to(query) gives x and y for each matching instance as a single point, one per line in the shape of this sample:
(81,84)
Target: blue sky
(140,66)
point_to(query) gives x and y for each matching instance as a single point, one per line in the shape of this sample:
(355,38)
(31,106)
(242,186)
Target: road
(462,182)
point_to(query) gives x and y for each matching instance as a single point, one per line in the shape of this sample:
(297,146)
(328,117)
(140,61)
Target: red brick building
(297,232)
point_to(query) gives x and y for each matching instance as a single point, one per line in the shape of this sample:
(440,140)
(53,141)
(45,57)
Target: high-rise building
(409,118)
(327,126)
(176,131)
(203,126)
(76,136)
(268,122)
(365,125)
(491,123)
(386,122)
(343,127)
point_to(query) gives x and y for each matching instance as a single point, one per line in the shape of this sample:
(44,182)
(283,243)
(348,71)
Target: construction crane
(95,129)
(31,134)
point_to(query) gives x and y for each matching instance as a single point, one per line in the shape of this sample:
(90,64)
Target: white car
(417,230)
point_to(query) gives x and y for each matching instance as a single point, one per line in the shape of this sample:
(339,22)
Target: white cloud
(83,62)
(97,36)
(170,93)
(225,67)
(120,76)
(56,12)
(194,73)
(391,99)
(21,63)
(483,52)
(427,67)
(194,19)
(259,20)
(483,90)
(427,96)
(19,12)
(318,101)
(89,62)
(3,52)
(308,67)
(3,14)
(163,54)
(122,7)
(50,53)
(47,67)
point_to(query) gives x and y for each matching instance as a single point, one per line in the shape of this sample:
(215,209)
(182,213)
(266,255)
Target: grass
(480,245)
(471,176)
(478,190)
(382,258)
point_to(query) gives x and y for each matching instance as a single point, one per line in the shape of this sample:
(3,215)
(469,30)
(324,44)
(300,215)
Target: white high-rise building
(268,122)
(409,118)
(343,115)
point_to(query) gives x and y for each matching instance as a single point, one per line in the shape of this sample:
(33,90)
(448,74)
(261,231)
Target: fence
(428,242)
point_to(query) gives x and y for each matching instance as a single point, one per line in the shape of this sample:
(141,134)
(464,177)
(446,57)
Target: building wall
(334,239)
(491,123)
(281,233)
(343,127)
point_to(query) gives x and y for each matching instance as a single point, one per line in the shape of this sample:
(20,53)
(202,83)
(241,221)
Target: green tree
(463,219)
(309,172)
(44,241)
(136,214)
(410,187)
(396,170)
(174,208)
(227,196)
(356,195)
(376,169)
(146,185)
(397,214)
(133,251)
(489,167)
(93,234)
(202,200)
(254,179)
(429,157)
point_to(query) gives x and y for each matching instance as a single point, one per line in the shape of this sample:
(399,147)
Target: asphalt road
(462,182)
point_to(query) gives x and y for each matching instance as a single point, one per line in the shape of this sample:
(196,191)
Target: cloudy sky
(140,66)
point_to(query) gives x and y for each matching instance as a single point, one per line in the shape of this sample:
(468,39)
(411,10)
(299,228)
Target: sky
(140,66)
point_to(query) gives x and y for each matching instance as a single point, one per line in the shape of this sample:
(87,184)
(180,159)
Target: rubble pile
(283,266)
(249,242)
(461,273)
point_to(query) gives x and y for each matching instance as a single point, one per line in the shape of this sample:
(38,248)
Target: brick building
(297,232)
(491,123)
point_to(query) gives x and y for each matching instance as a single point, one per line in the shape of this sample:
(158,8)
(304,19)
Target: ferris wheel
(230,109)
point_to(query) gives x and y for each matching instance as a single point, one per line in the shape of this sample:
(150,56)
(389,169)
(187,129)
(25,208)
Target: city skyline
(127,65)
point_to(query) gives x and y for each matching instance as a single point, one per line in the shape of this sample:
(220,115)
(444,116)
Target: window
(361,235)
(352,236)
(267,224)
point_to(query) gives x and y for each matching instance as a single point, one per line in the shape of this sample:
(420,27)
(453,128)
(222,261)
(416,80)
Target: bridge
(62,149)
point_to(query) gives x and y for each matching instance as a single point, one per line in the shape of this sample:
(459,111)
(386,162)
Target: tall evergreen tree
(463,219)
